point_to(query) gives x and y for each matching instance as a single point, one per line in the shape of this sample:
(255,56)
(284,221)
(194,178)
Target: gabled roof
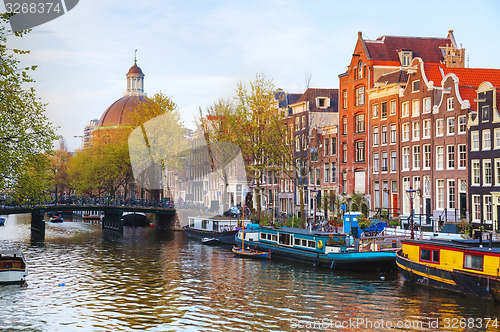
(386,48)
(469,79)
(286,99)
(312,93)
(398,76)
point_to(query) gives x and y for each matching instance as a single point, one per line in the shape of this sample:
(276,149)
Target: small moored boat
(58,218)
(209,240)
(12,267)
(223,229)
(250,253)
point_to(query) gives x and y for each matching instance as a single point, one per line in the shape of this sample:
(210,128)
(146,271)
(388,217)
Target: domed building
(117,113)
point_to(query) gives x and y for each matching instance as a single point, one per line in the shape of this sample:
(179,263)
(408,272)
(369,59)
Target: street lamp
(315,191)
(411,196)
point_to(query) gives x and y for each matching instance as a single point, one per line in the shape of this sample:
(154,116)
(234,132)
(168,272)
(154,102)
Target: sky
(197,51)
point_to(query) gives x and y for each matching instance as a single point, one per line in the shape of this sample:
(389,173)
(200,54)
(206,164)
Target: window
(451,194)
(416,157)
(375,136)
(427,128)
(327,146)
(321,102)
(416,130)
(318,179)
(474,140)
(427,186)
(297,143)
(297,123)
(344,125)
(311,176)
(429,255)
(473,262)
(384,161)
(440,194)
(406,131)
(376,194)
(450,125)
(384,134)
(496,138)
(304,122)
(416,86)
(451,156)
(439,127)
(405,109)
(375,162)
(406,58)
(415,107)
(476,207)
(497,172)
(488,211)
(334,146)
(334,172)
(394,137)
(427,156)
(406,186)
(384,110)
(327,173)
(486,139)
(344,182)
(462,124)
(394,161)
(406,158)
(485,113)
(375,110)
(449,104)
(360,70)
(344,99)
(344,152)
(476,172)
(427,105)
(360,123)
(314,154)
(462,156)
(360,151)
(394,185)
(360,96)
(393,107)
(487,176)
(439,157)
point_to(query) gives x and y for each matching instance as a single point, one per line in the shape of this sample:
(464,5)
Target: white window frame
(426,130)
(474,139)
(452,194)
(375,136)
(393,134)
(440,194)
(496,139)
(488,208)
(405,160)
(486,133)
(405,132)
(462,124)
(427,105)
(427,160)
(394,161)
(462,156)
(392,110)
(383,135)
(415,130)
(415,108)
(476,208)
(439,127)
(405,109)
(475,172)
(496,164)
(416,157)
(376,162)
(449,104)
(450,126)
(487,173)
(450,156)
(375,111)
(439,157)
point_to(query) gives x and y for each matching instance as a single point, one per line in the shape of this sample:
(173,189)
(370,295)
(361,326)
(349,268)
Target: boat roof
(461,244)
(10,252)
(302,231)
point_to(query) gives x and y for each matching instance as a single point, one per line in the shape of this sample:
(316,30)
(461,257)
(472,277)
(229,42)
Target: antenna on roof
(135,56)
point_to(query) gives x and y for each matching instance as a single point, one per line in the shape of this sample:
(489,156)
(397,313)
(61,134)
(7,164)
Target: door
(463,205)
(395,205)
(498,218)
(428,211)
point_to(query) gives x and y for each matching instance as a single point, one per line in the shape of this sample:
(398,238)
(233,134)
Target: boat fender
(320,244)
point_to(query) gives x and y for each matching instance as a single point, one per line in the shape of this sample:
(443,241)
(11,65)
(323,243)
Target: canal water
(82,278)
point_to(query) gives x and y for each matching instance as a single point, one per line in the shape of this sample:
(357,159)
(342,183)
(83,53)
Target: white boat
(222,229)
(12,267)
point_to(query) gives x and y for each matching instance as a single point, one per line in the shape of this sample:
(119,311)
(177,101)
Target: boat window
(263,236)
(204,224)
(311,244)
(285,239)
(297,242)
(473,262)
(304,243)
(429,255)
(275,237)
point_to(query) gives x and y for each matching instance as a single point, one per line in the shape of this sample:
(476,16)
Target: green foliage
(25,131)
(30,185)
(363,222)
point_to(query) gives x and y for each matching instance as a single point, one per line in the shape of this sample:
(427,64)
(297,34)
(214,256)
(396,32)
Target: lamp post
(315,191)
(411,196)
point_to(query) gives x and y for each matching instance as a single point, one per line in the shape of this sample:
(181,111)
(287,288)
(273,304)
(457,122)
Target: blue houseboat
(330,250)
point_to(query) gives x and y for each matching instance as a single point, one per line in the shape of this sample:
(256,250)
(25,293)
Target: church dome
(135,70)
(117,113)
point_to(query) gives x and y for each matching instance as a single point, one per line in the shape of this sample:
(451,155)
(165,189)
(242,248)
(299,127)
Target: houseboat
(464,266)
(335,251)
(12,267)
(220,229)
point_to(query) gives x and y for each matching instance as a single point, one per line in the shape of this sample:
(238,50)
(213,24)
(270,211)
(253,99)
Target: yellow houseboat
(464,266)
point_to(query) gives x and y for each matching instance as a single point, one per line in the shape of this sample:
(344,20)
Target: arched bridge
(112,219)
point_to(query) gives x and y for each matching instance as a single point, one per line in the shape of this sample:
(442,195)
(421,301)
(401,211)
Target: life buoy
(320,244)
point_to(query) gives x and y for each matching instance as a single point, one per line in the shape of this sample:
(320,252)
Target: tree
(157,141)
(25,131)
(58,169)
(250,124)
(30,184)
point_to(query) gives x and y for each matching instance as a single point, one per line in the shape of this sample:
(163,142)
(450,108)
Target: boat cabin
(320,242)
(462,255)
(215,224)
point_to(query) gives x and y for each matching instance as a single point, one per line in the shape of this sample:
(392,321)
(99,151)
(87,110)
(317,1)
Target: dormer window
(322,102)
(405,57)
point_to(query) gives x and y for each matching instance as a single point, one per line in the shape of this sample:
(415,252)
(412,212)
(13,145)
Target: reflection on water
(81,278)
